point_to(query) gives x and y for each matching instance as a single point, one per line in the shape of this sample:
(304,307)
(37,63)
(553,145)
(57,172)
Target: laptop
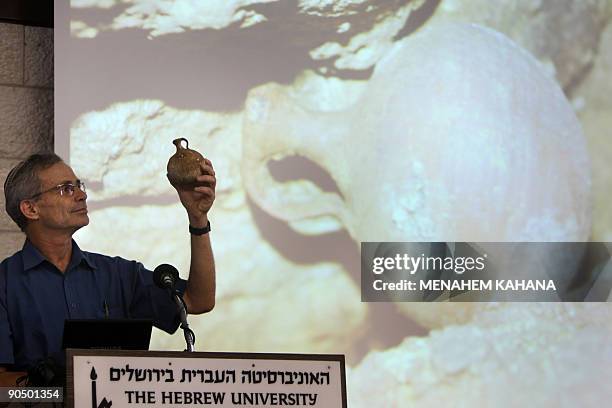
(116,334)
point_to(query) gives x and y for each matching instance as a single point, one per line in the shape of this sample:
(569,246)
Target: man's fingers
(205,190)
(207,167)
(206,179)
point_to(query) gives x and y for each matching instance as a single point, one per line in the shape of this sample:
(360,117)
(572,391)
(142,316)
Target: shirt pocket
(115,311)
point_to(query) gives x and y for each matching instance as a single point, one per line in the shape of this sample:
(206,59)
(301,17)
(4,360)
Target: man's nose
(79,194)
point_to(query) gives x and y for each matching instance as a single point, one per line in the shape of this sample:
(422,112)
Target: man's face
(61,212)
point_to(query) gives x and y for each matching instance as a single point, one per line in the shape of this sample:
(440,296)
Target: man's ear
(29,209)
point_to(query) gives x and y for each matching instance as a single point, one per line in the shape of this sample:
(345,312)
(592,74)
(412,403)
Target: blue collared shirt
(36,299)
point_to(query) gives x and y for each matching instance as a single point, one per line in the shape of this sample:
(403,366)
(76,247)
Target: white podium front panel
(147,379)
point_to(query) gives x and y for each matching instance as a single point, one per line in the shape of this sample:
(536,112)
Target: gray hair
(23,183)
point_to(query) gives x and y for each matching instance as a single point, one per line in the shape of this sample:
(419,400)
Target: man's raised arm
(200,292)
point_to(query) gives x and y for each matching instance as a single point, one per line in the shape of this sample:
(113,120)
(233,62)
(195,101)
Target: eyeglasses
(66,189)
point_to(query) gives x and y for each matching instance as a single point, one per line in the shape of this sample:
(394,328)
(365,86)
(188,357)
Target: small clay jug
(184,165)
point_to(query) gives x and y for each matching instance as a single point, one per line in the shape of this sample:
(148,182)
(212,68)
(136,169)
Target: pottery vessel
(184,166)
(460,136)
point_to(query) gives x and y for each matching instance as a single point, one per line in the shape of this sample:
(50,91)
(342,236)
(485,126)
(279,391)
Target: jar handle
(177,143)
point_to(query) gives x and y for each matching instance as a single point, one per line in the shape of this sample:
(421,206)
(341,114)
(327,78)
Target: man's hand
(9,378)
(197,201)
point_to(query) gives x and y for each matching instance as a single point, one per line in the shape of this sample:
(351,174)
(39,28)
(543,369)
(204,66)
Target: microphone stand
(189,334)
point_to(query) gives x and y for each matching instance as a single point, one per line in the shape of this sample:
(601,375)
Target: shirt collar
(79,256)
(32,257)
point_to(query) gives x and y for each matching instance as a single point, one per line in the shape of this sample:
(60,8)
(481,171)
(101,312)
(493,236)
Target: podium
(121,378)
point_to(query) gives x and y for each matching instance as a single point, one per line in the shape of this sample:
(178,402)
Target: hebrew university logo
(94,398)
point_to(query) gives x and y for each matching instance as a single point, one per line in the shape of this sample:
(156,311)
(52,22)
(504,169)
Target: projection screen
(331,123)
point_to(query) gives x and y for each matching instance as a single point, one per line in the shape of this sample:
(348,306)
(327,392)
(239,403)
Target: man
(51,279)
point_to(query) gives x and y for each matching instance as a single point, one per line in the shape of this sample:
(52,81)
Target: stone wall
(26,107)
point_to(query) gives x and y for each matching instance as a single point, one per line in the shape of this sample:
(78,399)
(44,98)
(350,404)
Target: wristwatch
(200,231)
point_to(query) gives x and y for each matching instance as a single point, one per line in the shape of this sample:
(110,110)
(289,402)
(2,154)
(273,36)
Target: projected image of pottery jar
(460,135)
(184,166)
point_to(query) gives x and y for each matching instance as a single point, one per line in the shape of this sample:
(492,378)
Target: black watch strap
(200,231)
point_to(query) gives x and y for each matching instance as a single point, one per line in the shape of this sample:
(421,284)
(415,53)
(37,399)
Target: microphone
(165,276)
